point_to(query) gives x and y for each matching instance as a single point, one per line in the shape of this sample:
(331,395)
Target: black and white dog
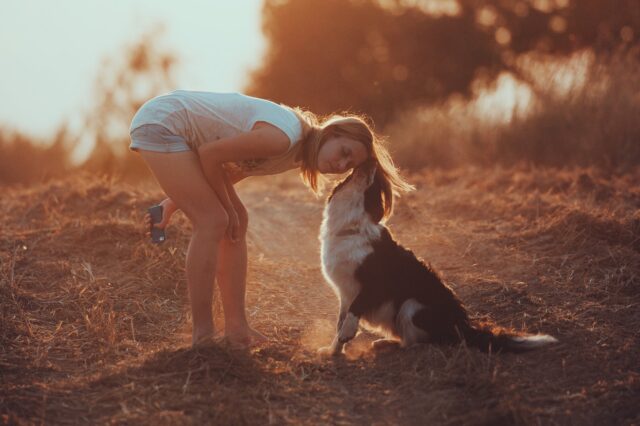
(383,284)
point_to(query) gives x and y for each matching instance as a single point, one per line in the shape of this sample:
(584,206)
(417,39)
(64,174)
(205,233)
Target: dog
(385,286)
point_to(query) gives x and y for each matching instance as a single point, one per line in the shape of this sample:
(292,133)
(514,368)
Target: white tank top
(203,117)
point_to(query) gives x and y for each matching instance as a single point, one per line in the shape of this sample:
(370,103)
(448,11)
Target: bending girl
(199,144)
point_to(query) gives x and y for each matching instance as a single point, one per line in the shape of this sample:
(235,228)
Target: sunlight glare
(50,65)
(498,104)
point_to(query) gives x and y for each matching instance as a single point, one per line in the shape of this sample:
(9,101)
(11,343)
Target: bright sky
(51,50)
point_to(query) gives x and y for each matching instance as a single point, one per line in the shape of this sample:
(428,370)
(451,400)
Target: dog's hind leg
(410,333)
(349,328)
(384,345)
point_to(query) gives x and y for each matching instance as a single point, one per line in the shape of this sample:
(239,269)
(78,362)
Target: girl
(199,144)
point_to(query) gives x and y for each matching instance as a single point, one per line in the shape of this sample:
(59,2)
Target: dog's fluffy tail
(488,339)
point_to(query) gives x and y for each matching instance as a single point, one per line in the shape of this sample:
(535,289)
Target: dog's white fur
(346,234)
(346,237)
(344,243)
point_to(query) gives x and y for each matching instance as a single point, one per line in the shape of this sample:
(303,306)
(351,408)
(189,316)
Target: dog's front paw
(349,328)
(329,351)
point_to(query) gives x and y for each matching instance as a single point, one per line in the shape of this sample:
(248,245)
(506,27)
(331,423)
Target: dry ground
(95,327)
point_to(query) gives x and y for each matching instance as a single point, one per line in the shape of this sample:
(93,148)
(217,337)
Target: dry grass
(95,319)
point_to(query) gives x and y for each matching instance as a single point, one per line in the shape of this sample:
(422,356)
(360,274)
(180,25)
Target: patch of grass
(95,324)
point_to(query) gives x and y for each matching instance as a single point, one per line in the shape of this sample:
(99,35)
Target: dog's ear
(372,171)
(373,201)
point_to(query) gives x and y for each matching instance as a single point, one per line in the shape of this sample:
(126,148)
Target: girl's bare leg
(232,279)
(181,177)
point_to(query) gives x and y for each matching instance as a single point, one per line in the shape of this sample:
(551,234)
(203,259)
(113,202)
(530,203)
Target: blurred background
(450,82)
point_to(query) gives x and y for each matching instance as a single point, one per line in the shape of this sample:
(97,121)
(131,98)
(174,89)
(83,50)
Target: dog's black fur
(393,273)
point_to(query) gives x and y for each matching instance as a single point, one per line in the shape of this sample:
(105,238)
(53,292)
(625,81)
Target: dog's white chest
(345,242)
(341,256)
(342,253)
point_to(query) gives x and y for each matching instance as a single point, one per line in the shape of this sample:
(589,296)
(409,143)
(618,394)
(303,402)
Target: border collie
(385,286)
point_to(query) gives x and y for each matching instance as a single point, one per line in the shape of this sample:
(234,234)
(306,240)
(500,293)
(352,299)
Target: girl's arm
(216,177)
(265,140)
(231,190)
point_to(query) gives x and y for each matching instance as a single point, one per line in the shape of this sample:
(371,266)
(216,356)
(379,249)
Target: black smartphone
(157,234)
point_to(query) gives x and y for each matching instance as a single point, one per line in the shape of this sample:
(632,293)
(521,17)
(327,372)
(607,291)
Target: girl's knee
(214,226)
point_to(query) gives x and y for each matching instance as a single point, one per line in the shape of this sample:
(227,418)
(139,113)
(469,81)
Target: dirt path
(95,326)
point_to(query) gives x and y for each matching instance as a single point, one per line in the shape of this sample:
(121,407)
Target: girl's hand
(168,209)
(233,230)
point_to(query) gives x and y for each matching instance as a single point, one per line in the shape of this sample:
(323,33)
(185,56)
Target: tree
(379,57)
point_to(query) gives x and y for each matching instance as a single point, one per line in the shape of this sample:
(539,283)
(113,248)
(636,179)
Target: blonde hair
(315,133)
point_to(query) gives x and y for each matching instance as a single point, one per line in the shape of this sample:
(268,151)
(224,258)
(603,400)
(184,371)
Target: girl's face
(339,154)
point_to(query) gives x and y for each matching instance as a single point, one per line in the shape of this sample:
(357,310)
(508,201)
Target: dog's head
(365,189)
